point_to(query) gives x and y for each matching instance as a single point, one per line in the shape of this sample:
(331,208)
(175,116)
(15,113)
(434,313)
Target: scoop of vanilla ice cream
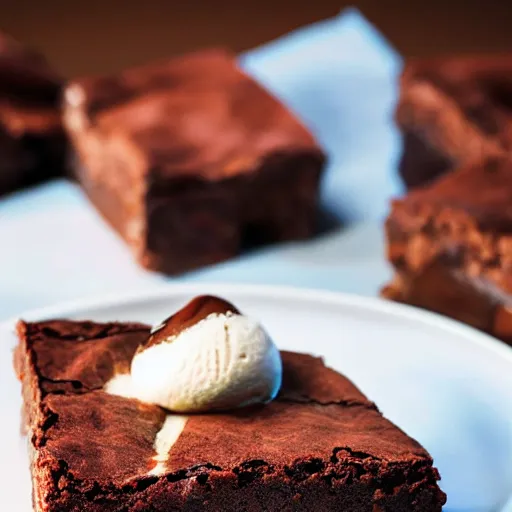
(224,361)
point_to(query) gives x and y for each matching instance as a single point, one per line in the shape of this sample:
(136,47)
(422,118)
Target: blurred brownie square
(453,111)
(451,246)
(447,290)
(191,160)
(31,134)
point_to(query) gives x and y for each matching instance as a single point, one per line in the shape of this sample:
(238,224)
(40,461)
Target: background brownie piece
(453,111)
(447,290)
(190,160)
(31,135)
(321,445)
(457,231)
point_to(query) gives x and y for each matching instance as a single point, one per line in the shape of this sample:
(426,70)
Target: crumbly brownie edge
(341,480)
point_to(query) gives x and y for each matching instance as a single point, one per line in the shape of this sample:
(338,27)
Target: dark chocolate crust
(32,144)
(453,111)
(451,245)
(190,160)
(321,445)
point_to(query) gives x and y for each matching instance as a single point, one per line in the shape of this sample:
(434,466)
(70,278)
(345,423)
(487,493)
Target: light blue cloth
(340,77)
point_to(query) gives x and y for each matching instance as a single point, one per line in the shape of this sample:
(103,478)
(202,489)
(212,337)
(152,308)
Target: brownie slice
(321,445)
(32,142)
(191,161)
(451,246)
(452,111)
(445,289)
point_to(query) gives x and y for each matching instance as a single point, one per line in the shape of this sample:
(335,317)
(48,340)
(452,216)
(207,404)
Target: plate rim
(375,304)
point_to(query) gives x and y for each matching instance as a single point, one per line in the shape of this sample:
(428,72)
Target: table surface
(86,36)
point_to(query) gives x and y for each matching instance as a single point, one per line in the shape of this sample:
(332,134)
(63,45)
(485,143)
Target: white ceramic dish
(445,384)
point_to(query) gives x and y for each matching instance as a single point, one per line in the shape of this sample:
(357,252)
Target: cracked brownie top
(92,449)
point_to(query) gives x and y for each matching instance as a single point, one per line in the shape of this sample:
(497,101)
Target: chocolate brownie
(31,136)
(447,290)
(190,160)
(320,445)
(451,245)
(453,111)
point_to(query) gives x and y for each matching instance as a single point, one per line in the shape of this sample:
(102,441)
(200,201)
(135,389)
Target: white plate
(445,384)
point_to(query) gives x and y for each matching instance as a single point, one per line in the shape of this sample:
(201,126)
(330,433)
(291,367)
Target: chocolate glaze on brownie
(451,245)
(452,111)
(31,135)
(321,445)
(190,160)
